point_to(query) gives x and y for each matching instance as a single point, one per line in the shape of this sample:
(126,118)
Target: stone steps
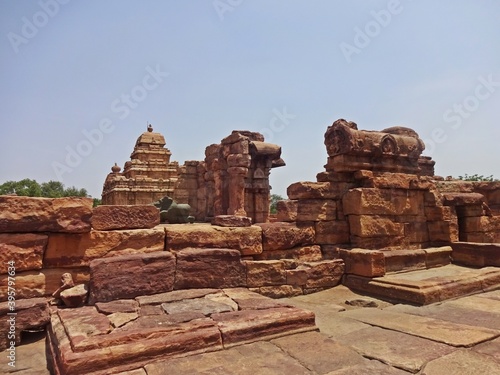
(124,335)
(426,286)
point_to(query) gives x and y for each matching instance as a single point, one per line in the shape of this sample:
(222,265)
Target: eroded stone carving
(173,212)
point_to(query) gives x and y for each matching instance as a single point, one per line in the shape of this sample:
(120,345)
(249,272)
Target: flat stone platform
(126,334)
(427,286)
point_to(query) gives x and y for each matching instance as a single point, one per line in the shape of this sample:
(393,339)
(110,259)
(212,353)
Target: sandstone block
(462,199)
(118,306)
(443,231)
(232,221)
(369,263)
(317,190)
(437,256)
(310,253)
(279,291)
(24,249)
(296,277)
(209,268)
(327,273)
(330,252)
(281,236)
(39,283)
(465,211)
(129,276)
(437,213)
(27,214)
(265,273)
(374,226)
(386,180)
(316,210)
(125,217)
(404,260)
(369,201)
(385,242)
(287,210)
(247,240)
(74,250)
(416,232)
(76,296)
(332,232)
(480,224)
(476,254)
(31,314)
(261,323)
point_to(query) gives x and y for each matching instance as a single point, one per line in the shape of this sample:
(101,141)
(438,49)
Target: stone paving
(460,336)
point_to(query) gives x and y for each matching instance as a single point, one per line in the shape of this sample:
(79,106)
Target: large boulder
(125,217)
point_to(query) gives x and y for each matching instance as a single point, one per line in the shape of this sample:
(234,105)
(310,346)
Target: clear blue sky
(196,70)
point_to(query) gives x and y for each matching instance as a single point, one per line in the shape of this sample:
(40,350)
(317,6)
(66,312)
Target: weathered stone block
(73,250)
(75,296)
(129,276)
(332,232)
(247,240)
(437,256)
(462,199)
(265,273)
(327,273)
(385,242)
(416,232)
(404,260)
(374,226)
(310,253)
(209,268)
(281,236)
(279,291)
(443,231)
(476,254)
(287,210)
(437,213)
(27,214)
(316,210)
(475,210)
(317,190)
(369,201)
(296,277)
(24,249)
(125,217)
(369,263)
(39,283)
(232,221)
(30,314)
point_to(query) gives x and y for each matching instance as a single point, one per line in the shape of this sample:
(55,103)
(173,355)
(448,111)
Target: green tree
(31,188)
(273,207)
(477,177)
(97,202)
(25,187)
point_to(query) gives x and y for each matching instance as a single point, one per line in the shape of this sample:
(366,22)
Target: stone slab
(27,214)
(24,249)
(114,217)
(396,349)
(463,362)
(282,236)
(427,286)
(248,300)
(371,367)
(491,348)
(459,335)
(456,313)
(248,325)
(260,358)
(232,221)
(247,240)
(129,276)
(118,306)
(204,306)
(175,295)
(305,348)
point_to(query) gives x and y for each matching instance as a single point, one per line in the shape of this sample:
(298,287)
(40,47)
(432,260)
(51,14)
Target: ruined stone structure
(232,180)
(147,177)
(150,291)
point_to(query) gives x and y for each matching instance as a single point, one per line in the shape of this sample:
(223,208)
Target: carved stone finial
(150,128)
(116,168)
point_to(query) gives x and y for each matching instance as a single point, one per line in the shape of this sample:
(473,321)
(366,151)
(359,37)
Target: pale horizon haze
(80,80)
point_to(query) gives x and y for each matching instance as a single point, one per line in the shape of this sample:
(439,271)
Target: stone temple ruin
(376,220)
